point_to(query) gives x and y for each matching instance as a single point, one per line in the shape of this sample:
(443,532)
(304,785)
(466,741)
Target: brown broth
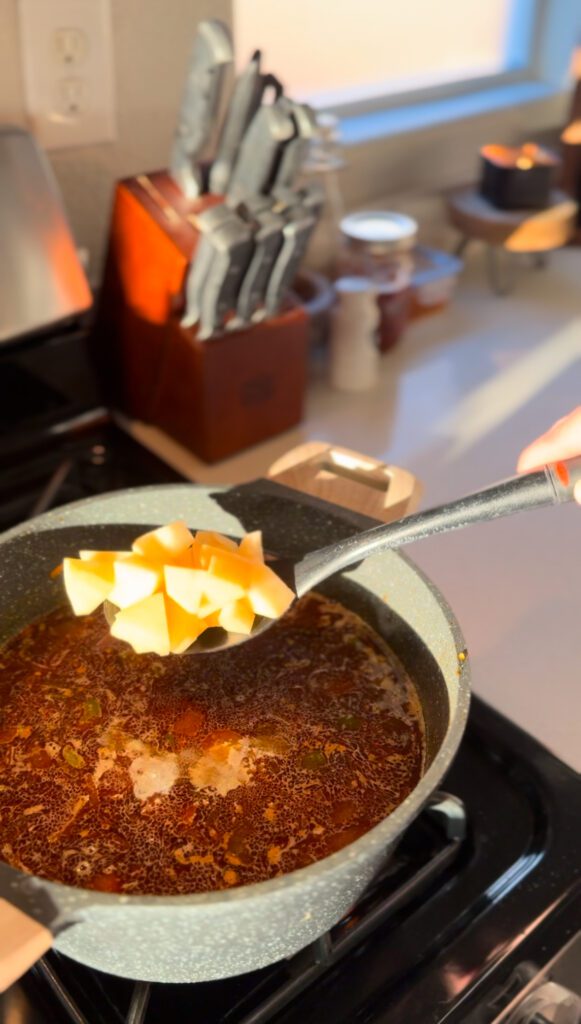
(134,773)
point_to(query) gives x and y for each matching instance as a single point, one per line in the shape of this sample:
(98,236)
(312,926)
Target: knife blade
(211,55)
(270,128)
(226,251)
(268,239)
(246,98)
(296,149)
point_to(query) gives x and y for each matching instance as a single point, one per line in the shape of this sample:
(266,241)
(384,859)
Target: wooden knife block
(215,397)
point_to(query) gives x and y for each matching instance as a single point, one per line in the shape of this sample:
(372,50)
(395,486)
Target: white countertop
(458,398)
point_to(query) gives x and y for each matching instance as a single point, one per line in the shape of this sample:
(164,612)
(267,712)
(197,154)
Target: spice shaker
(353,345)
(377,246)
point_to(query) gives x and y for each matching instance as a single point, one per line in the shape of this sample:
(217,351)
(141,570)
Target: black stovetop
(481,893)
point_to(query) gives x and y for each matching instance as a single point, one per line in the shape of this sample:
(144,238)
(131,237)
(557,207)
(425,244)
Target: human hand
(561,441)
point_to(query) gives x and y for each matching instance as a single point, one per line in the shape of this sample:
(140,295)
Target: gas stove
(476,917)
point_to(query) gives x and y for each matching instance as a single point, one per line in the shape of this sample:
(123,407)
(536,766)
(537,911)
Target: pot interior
(411,650)
(29,559)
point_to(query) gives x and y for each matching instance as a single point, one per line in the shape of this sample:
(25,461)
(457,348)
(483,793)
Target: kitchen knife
(270,128)
(296,149)
(206,223)
(211,55)
(245,101)
(230,245)
(268,238)
(300,221)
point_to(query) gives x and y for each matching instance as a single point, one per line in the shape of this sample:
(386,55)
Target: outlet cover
(67,57)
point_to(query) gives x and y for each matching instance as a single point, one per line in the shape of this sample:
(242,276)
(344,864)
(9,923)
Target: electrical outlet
(67,56)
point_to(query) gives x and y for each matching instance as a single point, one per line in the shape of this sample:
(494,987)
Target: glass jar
(377,246)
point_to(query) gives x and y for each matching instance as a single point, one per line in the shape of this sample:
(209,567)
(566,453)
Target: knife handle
(295,151)
(268,240)
(296,234)
(269,129)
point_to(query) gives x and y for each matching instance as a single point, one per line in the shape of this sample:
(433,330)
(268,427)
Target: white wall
(152,39)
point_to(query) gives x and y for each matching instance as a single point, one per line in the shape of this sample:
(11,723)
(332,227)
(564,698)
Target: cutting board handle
(349,479)
(22,942)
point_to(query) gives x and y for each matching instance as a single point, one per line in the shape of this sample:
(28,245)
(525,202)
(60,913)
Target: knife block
(215,397)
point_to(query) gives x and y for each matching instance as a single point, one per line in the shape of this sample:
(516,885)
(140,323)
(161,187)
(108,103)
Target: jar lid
(380,230)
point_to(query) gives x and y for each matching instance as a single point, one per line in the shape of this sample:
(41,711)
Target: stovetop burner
(86,455)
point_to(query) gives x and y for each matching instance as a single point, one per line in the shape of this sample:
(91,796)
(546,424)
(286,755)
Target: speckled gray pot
(219,934)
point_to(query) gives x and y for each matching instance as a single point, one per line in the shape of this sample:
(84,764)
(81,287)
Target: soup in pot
(139,774)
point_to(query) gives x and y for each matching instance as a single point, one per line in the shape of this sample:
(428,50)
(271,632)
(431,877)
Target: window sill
(432,146)
(379,124)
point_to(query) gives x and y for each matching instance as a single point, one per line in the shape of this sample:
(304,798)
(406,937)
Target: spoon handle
(550,485)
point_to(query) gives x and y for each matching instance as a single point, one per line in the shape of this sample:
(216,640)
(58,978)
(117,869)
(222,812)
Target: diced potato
(185,586)
(173,586)
(237,617)
(267,593)
(208,608)
(251,546)
(228,566)
(144,626)
(184,628)
(87,584)
(166,544)
(103,556)
(135,579)
(219,590)
(216,540)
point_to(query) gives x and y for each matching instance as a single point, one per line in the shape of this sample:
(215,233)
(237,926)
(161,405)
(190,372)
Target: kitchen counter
(461,395)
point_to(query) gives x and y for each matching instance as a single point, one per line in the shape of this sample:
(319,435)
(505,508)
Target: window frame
(524,62)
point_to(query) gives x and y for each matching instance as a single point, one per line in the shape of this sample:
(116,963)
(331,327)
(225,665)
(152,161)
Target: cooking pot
(213,935)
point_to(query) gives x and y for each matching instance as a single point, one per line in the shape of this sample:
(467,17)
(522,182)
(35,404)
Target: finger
(562,441)
(577,492)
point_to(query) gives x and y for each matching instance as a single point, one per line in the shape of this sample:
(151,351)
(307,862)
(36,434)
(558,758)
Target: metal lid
(380,230)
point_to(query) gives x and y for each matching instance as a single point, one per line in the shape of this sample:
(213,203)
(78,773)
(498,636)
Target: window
(340,54)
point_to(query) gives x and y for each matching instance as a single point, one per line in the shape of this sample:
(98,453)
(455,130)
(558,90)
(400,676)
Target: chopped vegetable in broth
(139,774)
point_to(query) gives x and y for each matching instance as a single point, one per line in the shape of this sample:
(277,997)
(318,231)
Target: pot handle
(22,942)
(349,479)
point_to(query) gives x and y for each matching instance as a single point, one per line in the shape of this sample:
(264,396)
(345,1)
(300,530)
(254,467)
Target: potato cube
(144,626)
(251,546)
(267,593)
(167,544)
(87,584)
(237,617)
(135,579)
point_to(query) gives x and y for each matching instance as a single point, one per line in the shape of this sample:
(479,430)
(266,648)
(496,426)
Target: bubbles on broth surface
(172,775)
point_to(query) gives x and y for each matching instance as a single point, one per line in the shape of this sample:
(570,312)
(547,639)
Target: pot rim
(382,834)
